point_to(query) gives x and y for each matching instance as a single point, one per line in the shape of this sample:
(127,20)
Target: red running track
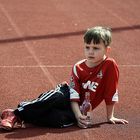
(40,41)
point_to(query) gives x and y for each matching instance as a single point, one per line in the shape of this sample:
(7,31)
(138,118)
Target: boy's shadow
(33,131)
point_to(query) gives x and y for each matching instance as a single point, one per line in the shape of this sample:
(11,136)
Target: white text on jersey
(90,85)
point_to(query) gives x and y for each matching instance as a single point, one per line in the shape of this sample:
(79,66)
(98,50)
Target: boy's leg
(40,107)
(57,118)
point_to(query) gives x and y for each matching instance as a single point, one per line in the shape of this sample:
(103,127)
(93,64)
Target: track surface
(39,42)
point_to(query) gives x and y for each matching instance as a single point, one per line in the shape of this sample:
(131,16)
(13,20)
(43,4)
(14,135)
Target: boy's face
(95,53)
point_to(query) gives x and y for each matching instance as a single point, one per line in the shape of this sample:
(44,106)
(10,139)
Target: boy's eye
(87,47)
(95,48)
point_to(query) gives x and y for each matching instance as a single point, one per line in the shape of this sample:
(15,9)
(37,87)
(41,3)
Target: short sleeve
(74,85)
(111,83)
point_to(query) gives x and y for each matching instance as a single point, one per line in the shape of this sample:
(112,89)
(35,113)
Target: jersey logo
(90,85)
(100,74)
(72,84)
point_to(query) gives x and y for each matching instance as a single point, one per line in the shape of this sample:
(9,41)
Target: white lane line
(43,66)
(28,47)
(129,65)
(53,66)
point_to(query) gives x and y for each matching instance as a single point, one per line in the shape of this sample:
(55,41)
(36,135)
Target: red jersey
(101,81)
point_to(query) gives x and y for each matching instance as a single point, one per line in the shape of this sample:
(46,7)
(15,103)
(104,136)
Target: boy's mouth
(91,57)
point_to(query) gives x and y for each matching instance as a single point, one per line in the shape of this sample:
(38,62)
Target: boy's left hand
(114,120)
(84,123)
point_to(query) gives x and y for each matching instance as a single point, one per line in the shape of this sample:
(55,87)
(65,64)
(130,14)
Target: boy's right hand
(83,123)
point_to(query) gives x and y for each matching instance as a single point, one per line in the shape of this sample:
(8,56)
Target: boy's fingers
(86,123)
(81,125)
(119,121)
(83,117)
(82,121)
(124,121)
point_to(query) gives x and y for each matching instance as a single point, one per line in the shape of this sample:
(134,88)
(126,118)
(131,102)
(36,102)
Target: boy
(97,74)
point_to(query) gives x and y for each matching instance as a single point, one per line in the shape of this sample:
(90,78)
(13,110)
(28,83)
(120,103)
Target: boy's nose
(91,51)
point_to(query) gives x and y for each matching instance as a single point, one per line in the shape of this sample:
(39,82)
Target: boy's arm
(111,92)
(110,115)
(76,109)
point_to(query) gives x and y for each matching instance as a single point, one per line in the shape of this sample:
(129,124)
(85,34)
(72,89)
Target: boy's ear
(108,49)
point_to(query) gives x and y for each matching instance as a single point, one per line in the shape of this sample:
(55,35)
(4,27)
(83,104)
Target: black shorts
(51,108)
